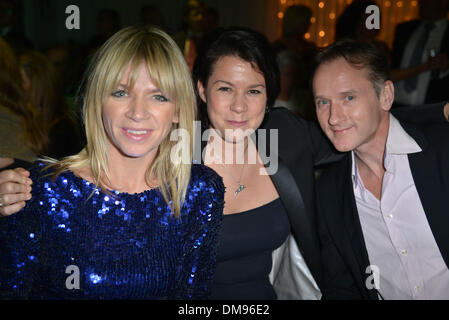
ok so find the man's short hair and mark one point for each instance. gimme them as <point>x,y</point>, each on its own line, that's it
<point>359,55</point>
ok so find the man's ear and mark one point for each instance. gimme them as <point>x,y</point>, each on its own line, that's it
<point>201,91</point>
<point>387,95</point>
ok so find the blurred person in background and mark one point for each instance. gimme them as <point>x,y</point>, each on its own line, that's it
<point>43,91</point>
<point>352,24</point>
<point>108,22</point>
<point>21,132</point>
<point>188,39</point>
<point>420,56</point>
<point>295,24</point>
<point>10,26</point>
<point>291,95</point>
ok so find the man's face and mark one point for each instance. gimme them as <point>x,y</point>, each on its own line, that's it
<point>347,107</point>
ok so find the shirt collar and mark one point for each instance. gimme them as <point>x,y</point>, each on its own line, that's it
<point>398,142</point>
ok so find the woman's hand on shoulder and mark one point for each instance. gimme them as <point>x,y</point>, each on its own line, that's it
<point>15,190</point>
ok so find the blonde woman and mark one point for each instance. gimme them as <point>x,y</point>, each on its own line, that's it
<point>120,220</point>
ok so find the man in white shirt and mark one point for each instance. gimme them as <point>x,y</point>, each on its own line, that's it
<point>382,209</point>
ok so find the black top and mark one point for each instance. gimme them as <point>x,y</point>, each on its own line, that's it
<point>244,256</point>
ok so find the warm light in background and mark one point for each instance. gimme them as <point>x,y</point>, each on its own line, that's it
<point>326,13</point>
<point>280,15</point>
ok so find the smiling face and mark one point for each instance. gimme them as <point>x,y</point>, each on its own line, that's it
<point>347,107</point>
<point>137,119</point>
<point>235,95</point>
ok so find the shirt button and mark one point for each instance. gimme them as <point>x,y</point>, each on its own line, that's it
<point>390,216</point>
<point>417,289</point>
<point>404,252</point>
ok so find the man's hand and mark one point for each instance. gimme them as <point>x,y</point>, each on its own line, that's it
<point>15,189</point>
<point>439,62</point>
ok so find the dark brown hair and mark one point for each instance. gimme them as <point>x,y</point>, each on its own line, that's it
<point>360,55</point>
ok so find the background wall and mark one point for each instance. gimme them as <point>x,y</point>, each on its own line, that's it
<point>44,20</point>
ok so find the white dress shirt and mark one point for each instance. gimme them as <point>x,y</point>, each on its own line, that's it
<point>397,235</point>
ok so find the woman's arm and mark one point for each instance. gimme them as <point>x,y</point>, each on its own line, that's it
<point>424,114</point>
<point>201,240</point>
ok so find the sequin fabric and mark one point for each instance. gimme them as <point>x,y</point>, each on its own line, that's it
<point>65,245</point>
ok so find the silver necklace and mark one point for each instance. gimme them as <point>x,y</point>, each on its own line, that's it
<point>241,187</point>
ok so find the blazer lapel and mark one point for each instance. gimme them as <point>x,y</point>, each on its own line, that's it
<point>429,176</point>
<point>303,230</point>
<point>350,231</point>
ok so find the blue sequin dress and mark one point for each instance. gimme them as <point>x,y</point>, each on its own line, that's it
<point>122,246</point>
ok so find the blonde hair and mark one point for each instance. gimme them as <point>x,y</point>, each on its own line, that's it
<point>169,72</point>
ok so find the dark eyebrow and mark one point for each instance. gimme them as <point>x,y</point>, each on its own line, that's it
<point>230,84</point>
<point>227,82</point>
<point>257,85</point>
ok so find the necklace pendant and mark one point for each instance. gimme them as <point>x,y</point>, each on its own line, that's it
<point>239,189</point>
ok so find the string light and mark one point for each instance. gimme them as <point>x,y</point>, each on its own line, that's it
<point>325,13</point>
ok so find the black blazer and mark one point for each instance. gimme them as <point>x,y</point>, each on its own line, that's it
<point>344,253</point>
<point>437,89</point>
<point>301,146</point>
